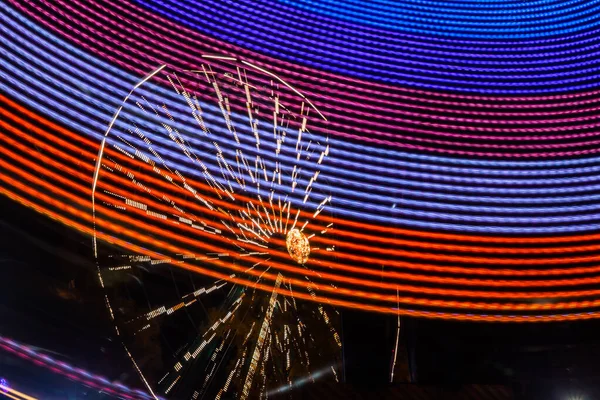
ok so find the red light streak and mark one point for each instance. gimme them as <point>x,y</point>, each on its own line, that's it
<point>83,188</point>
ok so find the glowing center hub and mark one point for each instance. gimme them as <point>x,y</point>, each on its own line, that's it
<point>298,246</point>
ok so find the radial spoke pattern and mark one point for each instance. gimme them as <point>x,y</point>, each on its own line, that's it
<point>211,177</point>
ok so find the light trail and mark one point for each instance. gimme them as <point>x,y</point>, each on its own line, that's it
<point>515,238</point>
<point>564,253</point>
<point>524,295</point>
<point>335,302</point>
<point>85,377</point>
<point>542,272</point>
<point>14,394</point>
<point>395,355</point>
<point>302,381</point>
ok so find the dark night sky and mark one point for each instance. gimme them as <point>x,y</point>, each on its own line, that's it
<point>39,259</point>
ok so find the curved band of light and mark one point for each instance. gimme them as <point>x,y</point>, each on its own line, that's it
<point>566,172</point>
<point>392,123</point>
<point>300,45</point>
<point>393,297</point>
<point>434,21</point>
<point>78,374</point>
<point>431,189</point>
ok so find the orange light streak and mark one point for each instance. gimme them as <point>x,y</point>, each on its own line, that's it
<point>364,226</point>
<point>368,260</point>
<point>304,296</point>
<point>333,265</point>
<point>336,266</point>
<point>301,283</point>
<point>341,255</point>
